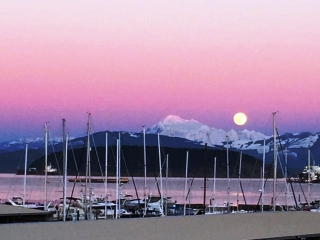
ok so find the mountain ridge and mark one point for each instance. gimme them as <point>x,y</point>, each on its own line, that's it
<point>178,132</point>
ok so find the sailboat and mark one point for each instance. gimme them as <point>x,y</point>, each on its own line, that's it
<point>213,208</point>
<point>239,187</point>
<point>310,173</point>
<point>275,158</point>
<point>21,201</point>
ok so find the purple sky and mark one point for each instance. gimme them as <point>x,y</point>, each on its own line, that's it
<point>132,63</point>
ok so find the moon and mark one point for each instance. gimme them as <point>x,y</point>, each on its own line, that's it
<point>240,118</point>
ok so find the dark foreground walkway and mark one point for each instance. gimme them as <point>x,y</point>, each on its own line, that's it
<point>269,225</point>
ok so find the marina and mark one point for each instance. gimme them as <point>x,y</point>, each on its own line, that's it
<point>174,188</point>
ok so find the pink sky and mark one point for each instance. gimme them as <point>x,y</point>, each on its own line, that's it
<point>131,63</point>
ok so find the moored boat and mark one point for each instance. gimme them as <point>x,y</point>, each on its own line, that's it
<point>99,180</point>
<point>34,171</point>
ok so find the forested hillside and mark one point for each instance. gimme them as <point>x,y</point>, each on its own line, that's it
<point>132,162</point>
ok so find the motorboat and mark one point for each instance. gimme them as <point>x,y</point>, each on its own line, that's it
<point>216,209</point>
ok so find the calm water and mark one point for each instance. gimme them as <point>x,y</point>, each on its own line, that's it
<point>12,185</point>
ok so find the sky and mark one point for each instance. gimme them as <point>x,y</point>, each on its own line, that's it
<point>132,63</point>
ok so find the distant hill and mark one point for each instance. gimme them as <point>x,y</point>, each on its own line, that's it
<point>132,162</point>
<point>12,155</point>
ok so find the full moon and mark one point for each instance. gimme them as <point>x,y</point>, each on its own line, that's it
<point>240,118</point>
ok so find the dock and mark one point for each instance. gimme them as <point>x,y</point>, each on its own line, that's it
<point>268,225</point>
<point>13,214</point>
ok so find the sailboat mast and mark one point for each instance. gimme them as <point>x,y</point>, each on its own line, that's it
<point>106,178</point>
<point>214,179</point>
<point>286,178</point>
<point>228,179</point>
<point>64,163</point>
<point>160,176</point>
<point>185,185</point>
<point>167,173</point>
<point>145,171</point>
<point>88,170</point>
<point>262,180</point>
<point>45,164</point>
<point>119,169</point>
<point>117,181</point>
<point>65,167</point>
<point>239,176</point>
<point>25,176</point>
<point>309,177</point>
<point>274,161</point>
<point>205,178</point>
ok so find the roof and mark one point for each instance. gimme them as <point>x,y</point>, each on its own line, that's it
<point>275,225</point>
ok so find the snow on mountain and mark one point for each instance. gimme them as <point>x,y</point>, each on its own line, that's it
<point>298,141</point>
<point>33,143</point>
<point>193,131</point>
<point>179,132</point>
<point>174,126</point>
<point>251,135</point>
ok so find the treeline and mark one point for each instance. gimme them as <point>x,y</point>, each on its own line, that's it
<point>201,162</point>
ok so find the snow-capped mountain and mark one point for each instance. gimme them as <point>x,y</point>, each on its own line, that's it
<point>192,130</point>
<point>174,126</point>
<point>181,133</point>
<point>250,142</point>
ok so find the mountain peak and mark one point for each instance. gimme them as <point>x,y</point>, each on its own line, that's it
<point>175,126</point>
<point>175,119</point>
<point>172,118</point>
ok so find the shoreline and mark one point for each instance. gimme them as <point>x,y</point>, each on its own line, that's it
<point>12,185</point>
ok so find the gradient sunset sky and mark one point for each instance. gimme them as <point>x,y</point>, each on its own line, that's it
<point>132,63</point>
